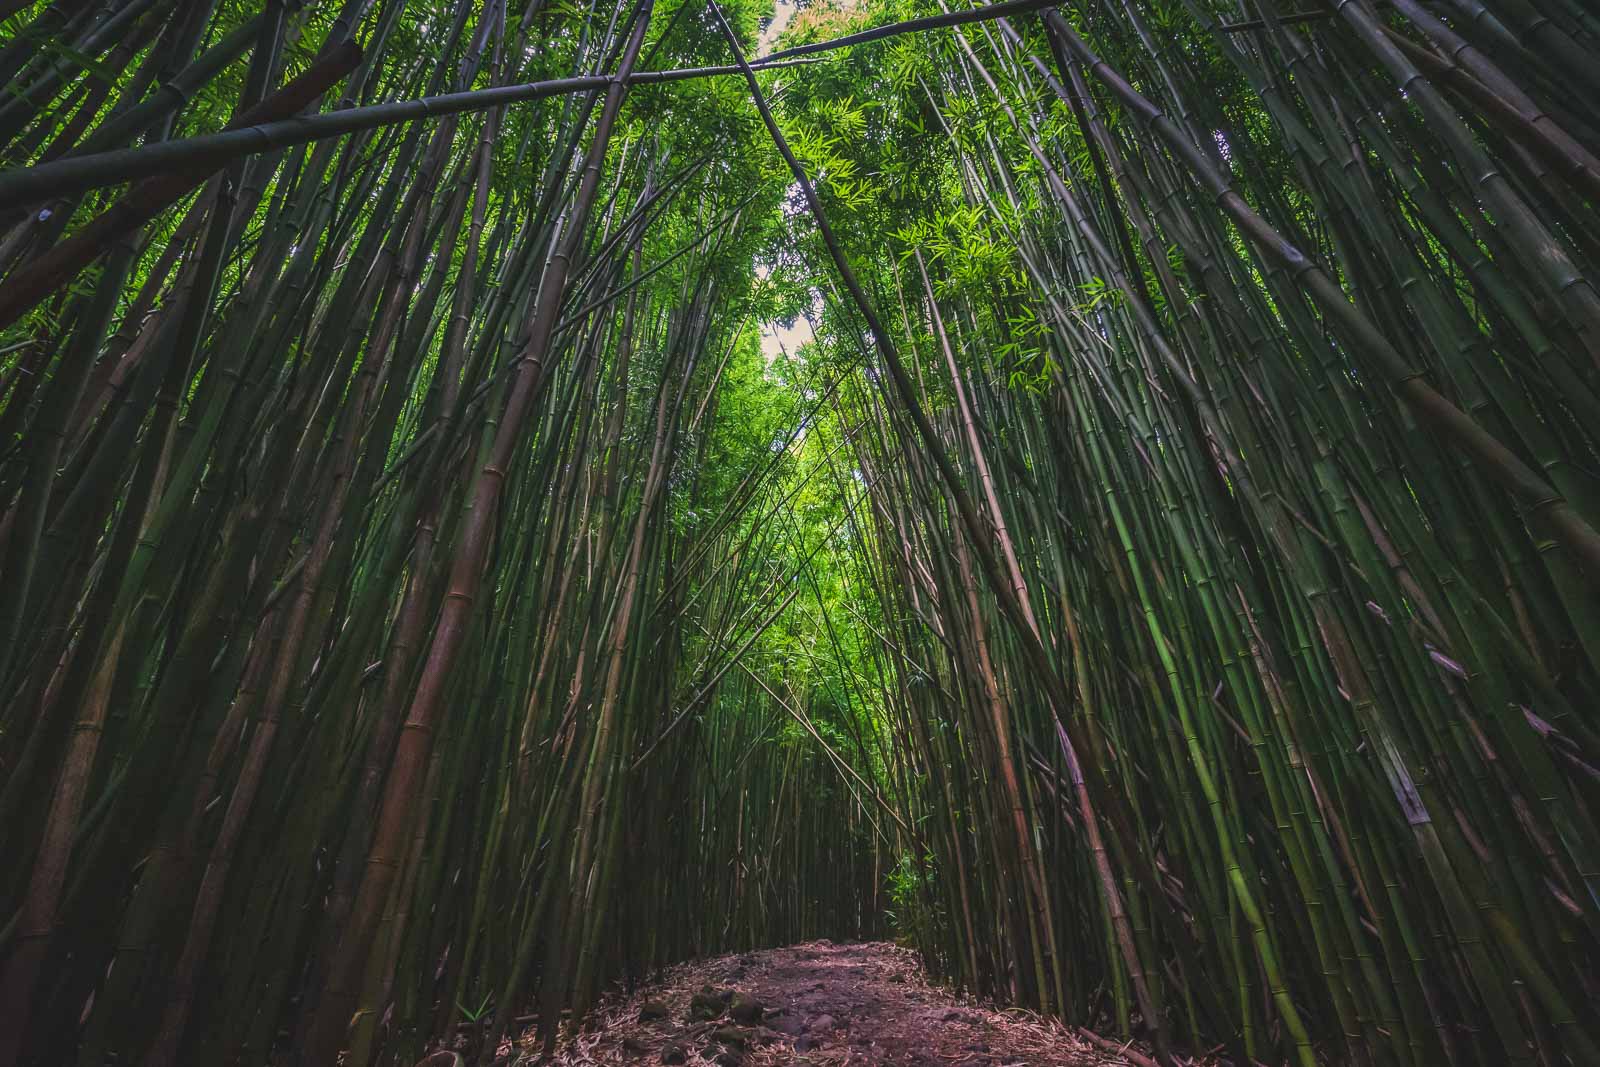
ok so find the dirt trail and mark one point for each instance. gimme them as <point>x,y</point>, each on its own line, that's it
<point>820,1004</point>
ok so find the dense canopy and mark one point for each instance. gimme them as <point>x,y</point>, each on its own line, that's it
<point>497,498</point>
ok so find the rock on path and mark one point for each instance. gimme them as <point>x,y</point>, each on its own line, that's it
<point>819,1004</point>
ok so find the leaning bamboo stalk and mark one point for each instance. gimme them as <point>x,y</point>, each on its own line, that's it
<point>25,289</point>
<point>108,168</point>
<point>1535,494</point>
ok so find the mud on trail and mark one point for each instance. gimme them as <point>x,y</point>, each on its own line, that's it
<point>821,1004</point>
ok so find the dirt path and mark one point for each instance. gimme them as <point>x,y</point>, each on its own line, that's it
<point>820,1004</point>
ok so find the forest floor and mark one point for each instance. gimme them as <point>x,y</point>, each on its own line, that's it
<point>821,1004</point>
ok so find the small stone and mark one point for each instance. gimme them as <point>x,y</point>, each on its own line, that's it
<point>731,1036</point>
<point>652,1010</point>
<point>705,1005</point>
<point>745,1008</point>
<point>821,1022</point>
<point>785,1023</point>
<point>674,1054</point>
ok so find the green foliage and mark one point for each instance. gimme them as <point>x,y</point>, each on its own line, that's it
<point>912,891</point>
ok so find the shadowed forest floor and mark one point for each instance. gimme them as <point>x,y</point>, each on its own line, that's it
<point>822,1004</point>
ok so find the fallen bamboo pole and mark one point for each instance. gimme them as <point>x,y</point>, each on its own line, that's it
<point>76,174</point>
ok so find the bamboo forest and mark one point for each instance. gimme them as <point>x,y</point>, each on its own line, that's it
<point>1005,534</point>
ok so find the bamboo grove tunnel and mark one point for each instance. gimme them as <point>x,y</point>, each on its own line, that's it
<point>498,498</point>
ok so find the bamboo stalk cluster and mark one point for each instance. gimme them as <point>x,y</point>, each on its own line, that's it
<point>1166,593</point>
<point>1235,513</point>
<point>385,612</point>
